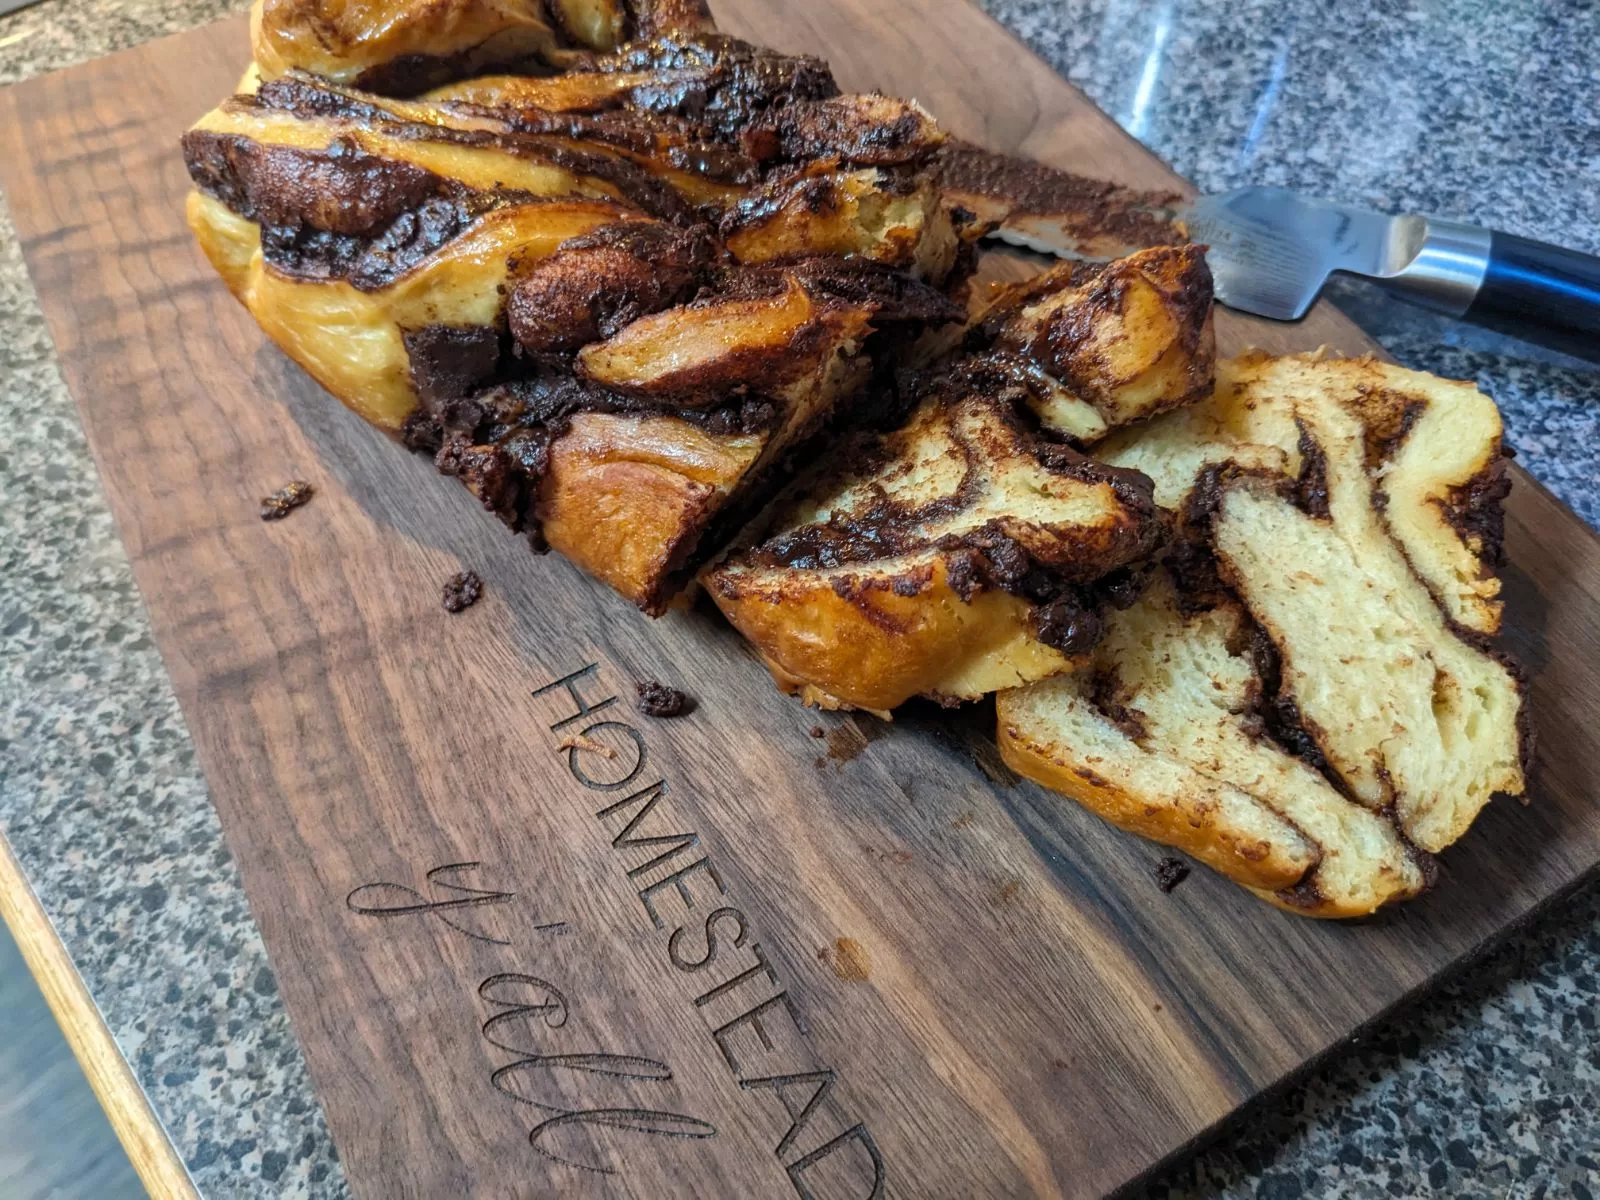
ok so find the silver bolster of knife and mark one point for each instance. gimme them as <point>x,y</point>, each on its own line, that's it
<point>1447,269</point>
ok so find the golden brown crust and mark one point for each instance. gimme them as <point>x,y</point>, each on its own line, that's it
<point>352,341</point>
<point>872,640</point>
<point>1262,864</point>
<point>1067,212</point>
<point>626,496</point>
<point>697,354</point>
<point>597,24</point>
<point>400,46</point>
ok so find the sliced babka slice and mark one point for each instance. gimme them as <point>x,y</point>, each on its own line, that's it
<point>957,554</point>
<point>1107,343</point>
<point>1427,449</point>
<point>1333,590</point>
<point>971,549</point>
<point>1166,734</point>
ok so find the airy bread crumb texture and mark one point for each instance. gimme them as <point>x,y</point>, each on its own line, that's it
<point>1331,709</point>
<point>1160,736</point>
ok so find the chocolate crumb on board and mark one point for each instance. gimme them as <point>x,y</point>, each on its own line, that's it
<point>659,700</point>
<point>576,741</point>
<point>818,732</point>
<point>461,590</point>
<point>286,499</point>
<point>1170,872</point>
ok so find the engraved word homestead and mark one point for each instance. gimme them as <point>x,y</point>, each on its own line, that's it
<point>746,1007</point>
<point>743,1001</point>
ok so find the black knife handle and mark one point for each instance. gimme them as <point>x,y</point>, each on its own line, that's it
<point>1541,293</point>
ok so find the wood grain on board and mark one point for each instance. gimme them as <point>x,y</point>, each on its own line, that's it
<point>734,959</point>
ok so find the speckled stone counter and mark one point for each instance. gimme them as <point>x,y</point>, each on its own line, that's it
<point>1486,112</point>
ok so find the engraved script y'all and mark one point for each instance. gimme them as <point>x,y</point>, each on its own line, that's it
<point>528,1014</point>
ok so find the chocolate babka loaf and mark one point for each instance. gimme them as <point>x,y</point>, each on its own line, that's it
<point>614,328</point>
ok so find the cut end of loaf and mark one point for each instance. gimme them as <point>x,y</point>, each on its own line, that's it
<point>1164,734</point>
<point>1315,651</point>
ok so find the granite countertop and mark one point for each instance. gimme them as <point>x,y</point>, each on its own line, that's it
<point>1478,111</point>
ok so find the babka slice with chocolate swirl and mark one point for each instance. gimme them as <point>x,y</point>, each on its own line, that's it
<point>667,436</point>
<point>1319,661</point>
<point>1164,734</point>
<point>971,549</point>
<point>957,554</point>
<point>1106,344</point>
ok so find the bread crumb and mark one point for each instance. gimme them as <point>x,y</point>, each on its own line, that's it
<point>286,499</point>
<point>659,700</point>
<point>848,960</point>
<point>461,590</point>
<point>895,856</point>
<point>576,741</point>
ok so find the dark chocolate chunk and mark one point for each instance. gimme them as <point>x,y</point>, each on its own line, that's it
<point>1311,488</point>
<point>1476,509</point>
<point>659,700</point>
<point>286,499</point>
<point>449,361</point>
<point>1070,626</point>
<point>1170,872</point>
<point>461,590</point>
<point>1106,694</point>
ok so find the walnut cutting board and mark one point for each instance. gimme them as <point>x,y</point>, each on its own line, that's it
<point>734,959</point>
